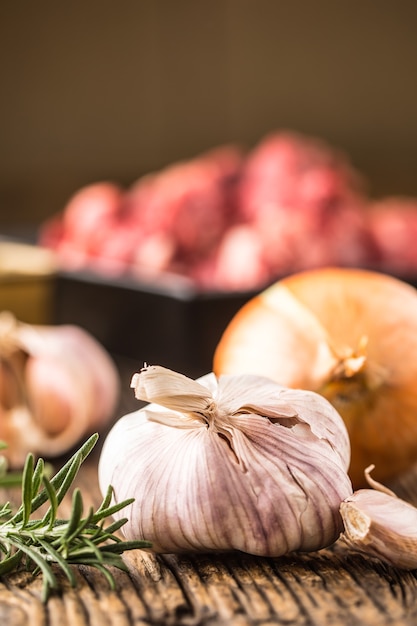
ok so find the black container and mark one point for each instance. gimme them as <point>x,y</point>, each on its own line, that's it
<point>163,322</point>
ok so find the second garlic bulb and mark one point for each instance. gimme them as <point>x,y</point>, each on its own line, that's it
<point>57,385</point>
<point>235,463</point>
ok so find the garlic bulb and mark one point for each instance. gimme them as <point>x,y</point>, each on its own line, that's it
<point>350,335</point>
<point>379,524</point>
<point>57,384</point>
<point>235,463</point>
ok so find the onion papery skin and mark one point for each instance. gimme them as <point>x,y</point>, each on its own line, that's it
<point>244,482</point>
<point>299,331</point>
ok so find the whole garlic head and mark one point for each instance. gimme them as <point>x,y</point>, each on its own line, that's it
<point>235,463</point>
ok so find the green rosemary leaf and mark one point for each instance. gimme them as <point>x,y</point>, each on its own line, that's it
<point>9,479</point>
<point>38,475</point>
<point>112,528</point>
<point>5,511</point>
<point>55,556</point>
<point>10,562</point>
<point>107,574</point>
<point>123,546</point>
<point>27,492</point>
<point>76,515</point>
<point>80,456</point>
<point>72,465</point>
<point>69,478</point>
<point>50,515</point>
<point>85,553</point>
<point>111,510</point>
<point>112,560</point>
<point>84,528</point>
<point>106,500</point>
<point>50,581</point>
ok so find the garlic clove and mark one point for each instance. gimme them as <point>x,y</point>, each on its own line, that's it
<point>54,396</point>
<point>19,432</point>
<point>64,384</point>
<point>9,387</point>
<point>207,478</point>
<point>83,353</point>
<point>49,393</point>
<point>380,525</point>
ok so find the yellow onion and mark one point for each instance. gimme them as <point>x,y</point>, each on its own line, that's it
<point>350,335</point>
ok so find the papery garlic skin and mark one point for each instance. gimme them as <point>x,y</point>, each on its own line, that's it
<point>381,525</point>
<point>57,385</point>
<point>245,465</point>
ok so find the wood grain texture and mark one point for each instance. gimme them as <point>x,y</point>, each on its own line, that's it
<point>333,586</point>
<point>330,587</point>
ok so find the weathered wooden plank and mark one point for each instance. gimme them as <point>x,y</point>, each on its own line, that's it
<point>330,587</point>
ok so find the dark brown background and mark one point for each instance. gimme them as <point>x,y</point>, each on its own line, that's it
<point>110,90</point>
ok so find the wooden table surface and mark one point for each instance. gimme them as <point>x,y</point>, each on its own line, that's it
<point>330,587</point>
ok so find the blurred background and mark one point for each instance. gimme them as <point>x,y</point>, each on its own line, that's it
<point>102,90</point>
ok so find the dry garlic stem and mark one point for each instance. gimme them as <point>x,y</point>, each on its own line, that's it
<point>235,463</point>
<point>379,524</point>
<point>57,384</point>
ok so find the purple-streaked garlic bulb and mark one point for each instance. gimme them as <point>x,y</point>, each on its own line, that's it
<point>57,385</point>
<point>228,463</point>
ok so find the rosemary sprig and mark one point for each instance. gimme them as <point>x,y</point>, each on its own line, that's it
<point>41,543</point>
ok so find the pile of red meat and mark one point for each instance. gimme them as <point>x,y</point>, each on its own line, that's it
<point>230,220</point>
